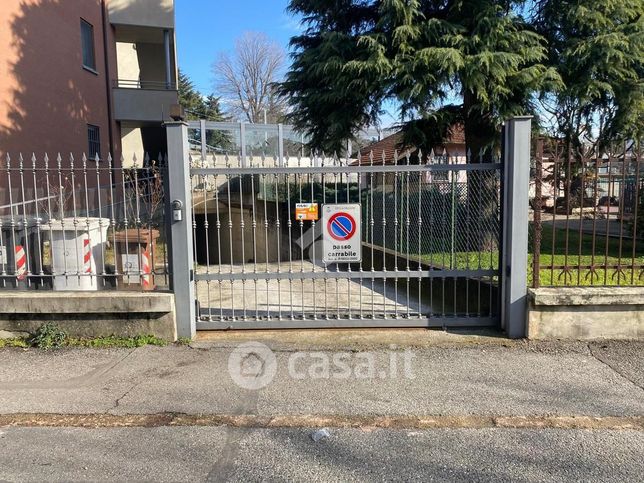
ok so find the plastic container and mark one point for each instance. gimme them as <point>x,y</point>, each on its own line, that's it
<point>77,252</point>
<point>18,243</point>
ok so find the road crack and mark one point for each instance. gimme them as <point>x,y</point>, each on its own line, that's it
<point>612,367</point>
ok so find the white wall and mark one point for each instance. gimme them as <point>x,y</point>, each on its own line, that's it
<point>127,61</point>
<point>131,144</point>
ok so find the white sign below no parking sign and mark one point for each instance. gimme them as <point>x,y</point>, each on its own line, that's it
<point>342,234</point>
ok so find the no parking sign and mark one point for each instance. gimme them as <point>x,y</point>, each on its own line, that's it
<point>342,235</point>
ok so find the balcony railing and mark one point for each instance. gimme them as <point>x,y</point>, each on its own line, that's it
<point>145,84</point>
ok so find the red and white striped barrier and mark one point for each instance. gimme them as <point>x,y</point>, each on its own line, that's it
<point>21,263</point>
<point>146,270</point>
<point>87,256</point>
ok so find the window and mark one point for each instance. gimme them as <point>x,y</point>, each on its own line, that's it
<point>87,44</point>
<point>94,141</point>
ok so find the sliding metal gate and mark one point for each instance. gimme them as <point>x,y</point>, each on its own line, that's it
<point>431,230</point>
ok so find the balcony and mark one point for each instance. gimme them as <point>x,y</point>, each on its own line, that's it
<point>143,100</point>
<point>142,13</point>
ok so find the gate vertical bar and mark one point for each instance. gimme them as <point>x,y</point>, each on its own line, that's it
<point>203,137</point>
<point>242,144</point>
<point>514,282</point>
<point>181,249</point>
<point>280,144</point>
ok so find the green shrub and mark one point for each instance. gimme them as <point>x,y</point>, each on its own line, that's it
<point>49,336</point>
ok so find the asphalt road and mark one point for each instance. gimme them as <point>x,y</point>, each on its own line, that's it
<point>520,380</point>
<point>470,377</point>
<point>226,454</point>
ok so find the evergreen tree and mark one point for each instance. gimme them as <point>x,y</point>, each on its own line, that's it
<point>189,98</point>
<point>198,107</point>
<point>597,46</point>
<point>355,54</point>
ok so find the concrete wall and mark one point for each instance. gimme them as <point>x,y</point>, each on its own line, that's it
<point>151,62</point>
<point>143,105</point>
<point>145,13</point>
<point>87,314</point>
<point>127,61</point>
<point>46,97</point>
<point>132,141</point>
<point>240,252</point>
<point>586,313</point>
<point>143,61</point>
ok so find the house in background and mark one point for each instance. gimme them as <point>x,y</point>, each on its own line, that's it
<point>391,150</point>
<point>86,76</point>
<point>609,180</point>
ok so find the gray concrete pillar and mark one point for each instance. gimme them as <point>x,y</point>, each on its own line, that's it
<point>514,283</point>
<point>179,196</point>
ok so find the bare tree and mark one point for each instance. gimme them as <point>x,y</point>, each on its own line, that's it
<point>246,78</point>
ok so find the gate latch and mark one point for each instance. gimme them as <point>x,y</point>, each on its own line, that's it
<point>177,213</point>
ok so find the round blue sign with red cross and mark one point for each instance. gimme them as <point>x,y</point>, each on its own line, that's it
<point>341,226</point>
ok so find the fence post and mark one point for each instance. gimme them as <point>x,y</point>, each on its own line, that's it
<point>181,247</point>
<point>514,280</point>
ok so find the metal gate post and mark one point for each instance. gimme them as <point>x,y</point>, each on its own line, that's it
<point>180,219</point>
<point>514,283</point>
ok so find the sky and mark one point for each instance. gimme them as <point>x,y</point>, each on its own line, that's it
<point>205,28</point>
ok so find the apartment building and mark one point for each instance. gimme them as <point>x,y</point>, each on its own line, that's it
<point>86,76</point>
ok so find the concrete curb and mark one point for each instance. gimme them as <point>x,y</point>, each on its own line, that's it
<point>318,421</point>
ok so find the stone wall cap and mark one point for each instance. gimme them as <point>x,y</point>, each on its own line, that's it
<point>37,302</point>
<point>587,296</point>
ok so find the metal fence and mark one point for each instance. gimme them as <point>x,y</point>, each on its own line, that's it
<point>588,215</point>
<point>80,224</point>
<point>452,233</point>
<point>430,242</point>
<point>144,84</point>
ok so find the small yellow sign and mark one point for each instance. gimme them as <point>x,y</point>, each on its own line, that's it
<point>306,211</point>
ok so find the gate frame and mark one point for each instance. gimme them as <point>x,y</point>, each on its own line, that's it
<point>513,241</point>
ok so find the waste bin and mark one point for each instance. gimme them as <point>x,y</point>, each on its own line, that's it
<point>135,251</point>
<point>77,252</point>
<point>20,253</point>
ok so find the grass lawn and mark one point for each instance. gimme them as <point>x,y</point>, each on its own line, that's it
<point>573,276</point>
<point>605,253</point>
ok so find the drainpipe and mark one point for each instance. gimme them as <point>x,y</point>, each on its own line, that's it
<point>168,70</point>
<point>108,87</point>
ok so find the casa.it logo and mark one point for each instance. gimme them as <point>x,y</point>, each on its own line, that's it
<point>252,365</point>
